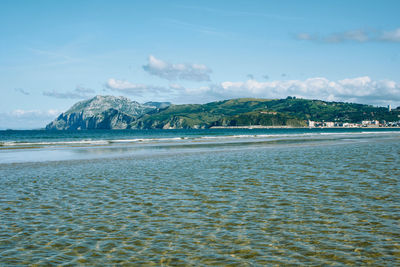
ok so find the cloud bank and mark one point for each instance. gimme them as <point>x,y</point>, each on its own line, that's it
<point>360,36</point>
<point>134,89</point>
<point>360,89</point>
<point>171,72</point>
<point>78,93</point>
<point>21,113</point>
<point>27,119</point>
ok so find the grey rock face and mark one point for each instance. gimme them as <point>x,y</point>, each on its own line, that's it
<point>102,112</point>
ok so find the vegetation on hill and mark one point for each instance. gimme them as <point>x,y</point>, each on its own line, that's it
<point>267,112</point>
<point>317,110</point>
<point>111,112</point>
<point>258,118</point>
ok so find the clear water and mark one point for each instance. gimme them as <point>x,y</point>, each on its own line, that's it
<point>226,197</point>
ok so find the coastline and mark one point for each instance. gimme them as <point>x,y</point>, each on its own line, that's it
<point>294,127</point>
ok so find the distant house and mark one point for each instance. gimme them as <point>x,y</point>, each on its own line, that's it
<point>350,125</point>
<point>373,123</point>
<point>268,112</point>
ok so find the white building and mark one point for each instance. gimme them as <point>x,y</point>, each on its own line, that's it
<point>373,123</point>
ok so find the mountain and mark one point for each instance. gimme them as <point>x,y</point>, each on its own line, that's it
<point>102,112</point>
<point>109,112</point>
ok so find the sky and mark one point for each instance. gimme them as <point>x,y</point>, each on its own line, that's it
<point>55,53</point>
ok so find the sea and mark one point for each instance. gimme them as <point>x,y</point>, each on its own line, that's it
<point>237,197</point>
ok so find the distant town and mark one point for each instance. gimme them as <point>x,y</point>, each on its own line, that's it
<point>364,123</point>
<point>368,124</point>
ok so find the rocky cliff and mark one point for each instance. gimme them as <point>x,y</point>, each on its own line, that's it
<point>103,112</point>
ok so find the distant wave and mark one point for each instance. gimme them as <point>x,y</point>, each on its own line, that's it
<point>22,143</point>
<point>185,139</point>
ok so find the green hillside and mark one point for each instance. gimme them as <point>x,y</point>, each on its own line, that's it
<point>267,112</point>
<point>317,110</point>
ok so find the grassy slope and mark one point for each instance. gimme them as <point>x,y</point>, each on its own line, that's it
<point>318,110</point>
<point>191,115</point>
<point>247,111</point>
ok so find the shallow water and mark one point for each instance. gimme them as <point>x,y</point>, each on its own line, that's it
<point>247,201</point>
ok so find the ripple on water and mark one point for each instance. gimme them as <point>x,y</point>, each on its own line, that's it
<point>313,205</point>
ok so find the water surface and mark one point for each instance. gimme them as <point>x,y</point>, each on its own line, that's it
<point>198,198</point>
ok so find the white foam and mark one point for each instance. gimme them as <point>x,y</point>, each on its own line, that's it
<point>211,138</point>
<point>19,143</point>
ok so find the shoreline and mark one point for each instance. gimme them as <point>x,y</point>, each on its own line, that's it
<point>293,127</point>
<point>212,127</point>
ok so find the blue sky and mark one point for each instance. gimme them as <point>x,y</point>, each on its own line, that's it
<point>55,53</point>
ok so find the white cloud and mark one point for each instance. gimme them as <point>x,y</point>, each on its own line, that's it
<point>27,119</point>
<point>356,36</point>
<point>123,85</point>
<point>135,89</point>
<point>391,36</point>
<point>176,86</point>
<point>359,35</point>
<point>360,89</point>
<point>189,72</point>
<point>305,36</point>
<point>21,113</point>
<point>78,93</point>
<point>84,90</point>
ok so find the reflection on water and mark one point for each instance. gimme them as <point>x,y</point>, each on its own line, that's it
<point>333,203</point>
